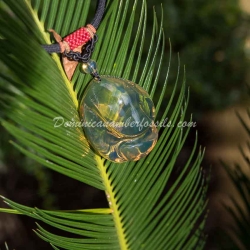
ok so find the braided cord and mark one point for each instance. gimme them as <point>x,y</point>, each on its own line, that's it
<point>99,14</point>
<point>52,48</point>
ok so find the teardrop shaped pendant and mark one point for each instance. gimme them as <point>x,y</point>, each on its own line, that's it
<point>118,117</point>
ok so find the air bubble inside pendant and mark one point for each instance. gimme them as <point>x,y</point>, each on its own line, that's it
<point>118,117</point>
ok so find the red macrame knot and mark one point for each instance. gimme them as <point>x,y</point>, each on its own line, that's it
<point>78,38</point>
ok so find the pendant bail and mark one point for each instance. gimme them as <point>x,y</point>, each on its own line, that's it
<point>90,67</point>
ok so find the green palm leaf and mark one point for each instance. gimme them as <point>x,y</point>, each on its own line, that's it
<point>239,231</point>
<point>142,214</point>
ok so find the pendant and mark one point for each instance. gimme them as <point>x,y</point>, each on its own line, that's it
<point>118,118</point>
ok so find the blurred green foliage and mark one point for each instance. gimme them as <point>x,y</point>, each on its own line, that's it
<point>210,37</point>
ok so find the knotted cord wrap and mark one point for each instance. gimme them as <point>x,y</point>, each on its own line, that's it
<point>79,37</point>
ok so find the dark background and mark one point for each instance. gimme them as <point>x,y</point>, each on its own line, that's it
<point>213,40</point>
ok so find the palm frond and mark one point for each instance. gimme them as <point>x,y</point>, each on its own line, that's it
<point>240,212</point>
<point>142,213</point>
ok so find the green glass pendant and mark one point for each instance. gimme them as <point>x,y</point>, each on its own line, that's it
<point>118,117</point>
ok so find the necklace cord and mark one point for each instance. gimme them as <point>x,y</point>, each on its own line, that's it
<point>85,56</point>
<point>99,14</point>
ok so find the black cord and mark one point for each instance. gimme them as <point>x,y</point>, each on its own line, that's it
<point>99,14</point>
<point>52,48</point>
<point>55,48</point>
